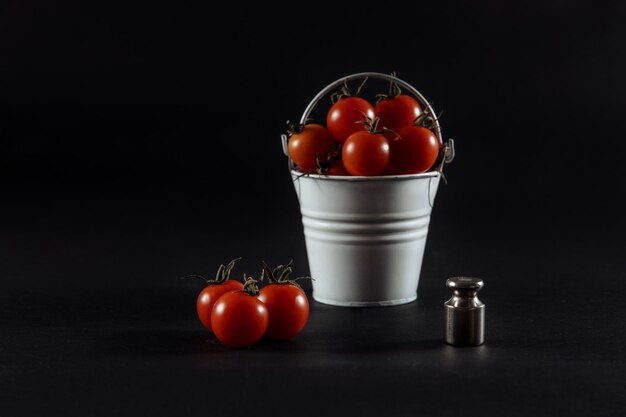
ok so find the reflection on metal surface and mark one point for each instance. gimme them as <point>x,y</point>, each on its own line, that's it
<point>465,313</point>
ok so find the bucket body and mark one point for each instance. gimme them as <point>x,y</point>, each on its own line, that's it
<point>365,236</point>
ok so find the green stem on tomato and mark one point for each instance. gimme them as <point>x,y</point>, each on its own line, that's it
<point>281,274</point>
<point>345,91</point>
<point>221,276</point>
<point>250,286</point>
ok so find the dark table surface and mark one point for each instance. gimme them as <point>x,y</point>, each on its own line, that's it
<point>96,322</point>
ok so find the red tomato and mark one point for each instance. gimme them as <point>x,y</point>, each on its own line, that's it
<point>365,153</point>
<point>313,142</point>
<point>396,112</point>
<point>337,168</point>
<point>391,136</point>
<point>344,117</point>
<point>239,319</point>
<point>208,297</point>
<point>214,289</point>
<point>288,308</point>
<point>414,150</point>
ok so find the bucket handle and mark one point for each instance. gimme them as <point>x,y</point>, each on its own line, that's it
<point>447,151</point>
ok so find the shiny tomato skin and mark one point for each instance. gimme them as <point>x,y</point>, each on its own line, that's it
<point>209,295</point>
<point>288,308</point>
<point>414,150</point>
<point>365,154</point>
<point>344,116</point>
<point>304,148</point>
<point>391,136</point>
<point>397,112</point>
<point>239,319</point>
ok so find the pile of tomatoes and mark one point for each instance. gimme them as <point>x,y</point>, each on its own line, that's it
<point>240,314</point>
<point>394,137</point>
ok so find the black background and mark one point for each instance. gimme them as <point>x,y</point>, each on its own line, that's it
<point>140,142</point>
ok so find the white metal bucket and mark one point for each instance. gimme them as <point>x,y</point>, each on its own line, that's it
<point>365,236</point>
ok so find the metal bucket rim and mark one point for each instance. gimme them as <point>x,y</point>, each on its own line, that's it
<point>350,178</point>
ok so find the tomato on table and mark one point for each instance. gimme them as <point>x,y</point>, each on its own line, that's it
<point>239,319</point>
<point>286,303</point>
<point>215,288</point>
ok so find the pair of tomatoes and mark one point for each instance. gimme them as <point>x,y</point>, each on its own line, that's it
<point>240,314</point>
<point>360,139</point>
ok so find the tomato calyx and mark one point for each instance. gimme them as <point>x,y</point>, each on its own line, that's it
<point>250,286</point>
<point>222,275</point>
<point>427,119</point>
<point>346,92</point>
<point>281,275</point>
<point>324,165</point>
<point>372,125</point>
<point>293,128</point>
<point>394,90</point>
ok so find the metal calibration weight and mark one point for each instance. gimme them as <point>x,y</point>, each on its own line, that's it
<point>465,313</point>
